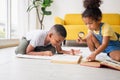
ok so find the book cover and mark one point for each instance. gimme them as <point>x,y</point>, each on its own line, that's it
<point>66,59</point>
<point>95,63</point>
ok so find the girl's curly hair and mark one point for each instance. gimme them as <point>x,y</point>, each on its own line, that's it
<point>92,9</point>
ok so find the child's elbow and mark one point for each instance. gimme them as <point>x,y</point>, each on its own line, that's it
<point>28,51</point>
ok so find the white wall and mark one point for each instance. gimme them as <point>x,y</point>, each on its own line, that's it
<point>62,7</point>
<point>110,6</point>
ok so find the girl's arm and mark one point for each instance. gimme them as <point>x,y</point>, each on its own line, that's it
<point>100,48</point>
<point>80,40</point>
<point>104,44</point>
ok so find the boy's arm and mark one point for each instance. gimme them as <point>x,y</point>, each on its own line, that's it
<point>71,51</point>
<point>30,51</point>
<point>59,50</point>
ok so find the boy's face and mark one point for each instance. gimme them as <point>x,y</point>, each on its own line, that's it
<point>56,39</point>
<point>91,24</point>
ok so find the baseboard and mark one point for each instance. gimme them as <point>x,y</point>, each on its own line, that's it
<point>9,43</point>
<point>74,43</point>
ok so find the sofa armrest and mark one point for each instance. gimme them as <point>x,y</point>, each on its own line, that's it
<point>58,20</point>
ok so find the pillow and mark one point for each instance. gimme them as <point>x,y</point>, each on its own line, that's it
<point>21,49</point>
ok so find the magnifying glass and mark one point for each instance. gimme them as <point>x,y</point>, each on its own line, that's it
<point>81,35</point>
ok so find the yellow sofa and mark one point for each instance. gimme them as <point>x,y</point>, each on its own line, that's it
<point>74,24</point>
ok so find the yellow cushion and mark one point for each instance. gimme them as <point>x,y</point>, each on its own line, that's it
<point>112,19</point>
<point>59,20</point>
<point>73,30</point>
<point>73,19</point>
<point>116,28</point>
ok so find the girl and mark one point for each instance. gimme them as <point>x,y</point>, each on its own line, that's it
<point>101,37</point>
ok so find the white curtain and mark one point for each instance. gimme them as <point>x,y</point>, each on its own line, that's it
<point>26,20</point>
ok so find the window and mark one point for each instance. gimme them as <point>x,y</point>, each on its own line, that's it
<point>8,19</point>
<point>14,19</point>
<point>3,19</point>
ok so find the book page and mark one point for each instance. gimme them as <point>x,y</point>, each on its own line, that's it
<point>111,63</point>
<point>33,56</point>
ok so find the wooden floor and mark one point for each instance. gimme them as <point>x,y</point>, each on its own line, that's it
<point>8,43</point>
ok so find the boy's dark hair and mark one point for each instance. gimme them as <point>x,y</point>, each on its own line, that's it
<point>59,29</point>
<point>92,9</point>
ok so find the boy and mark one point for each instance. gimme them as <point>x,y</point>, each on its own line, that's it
<point>45,43</point>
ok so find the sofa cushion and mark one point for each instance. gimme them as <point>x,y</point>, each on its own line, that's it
<point>112,19</point>
<point>73,19</point>
<point>116,28</point>
<point>73,30</point>
<point>59,20</point>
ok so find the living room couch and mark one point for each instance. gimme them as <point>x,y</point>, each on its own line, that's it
<point>74,24</point>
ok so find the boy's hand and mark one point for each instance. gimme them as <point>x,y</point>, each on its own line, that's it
<point>74,52</point>
<point>47,53</point>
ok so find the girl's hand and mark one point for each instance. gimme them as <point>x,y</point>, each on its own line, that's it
<point>74,52</point>
<point>91,57</point>
<point>80,40</point>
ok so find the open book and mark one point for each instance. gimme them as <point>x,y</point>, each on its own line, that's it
<point>111,63</point>
<point>107,63</point>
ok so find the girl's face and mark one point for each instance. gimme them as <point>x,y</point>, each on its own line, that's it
<point>91,24</point>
